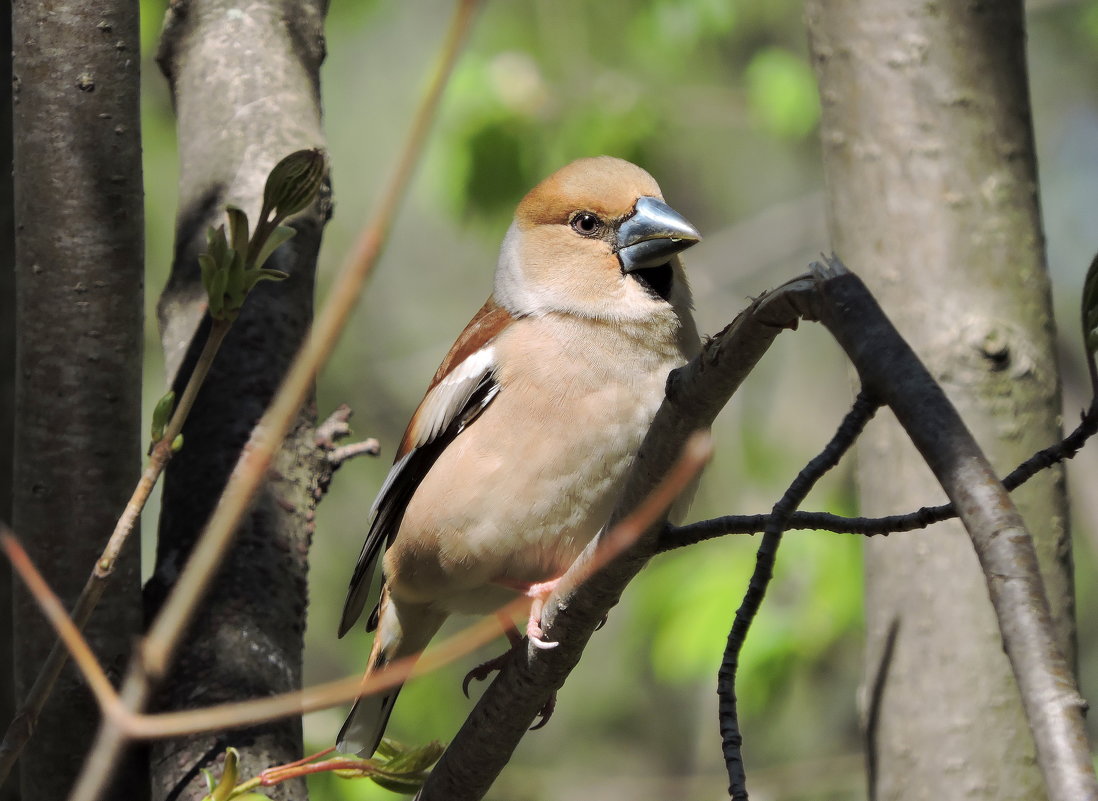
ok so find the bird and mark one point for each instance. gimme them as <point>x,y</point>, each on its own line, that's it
<point>513,460</point>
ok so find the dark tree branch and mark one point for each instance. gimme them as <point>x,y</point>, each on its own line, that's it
<point>673,537</point>
<point>889,369</point>
<point>732,740</point>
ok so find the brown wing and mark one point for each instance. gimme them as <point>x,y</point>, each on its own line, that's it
<point>482,329</point>
<point>461,389</point>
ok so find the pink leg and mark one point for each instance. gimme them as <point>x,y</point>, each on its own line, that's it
<point>539,593</point>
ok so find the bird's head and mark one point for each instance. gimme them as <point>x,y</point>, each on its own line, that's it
<point>595,239</point>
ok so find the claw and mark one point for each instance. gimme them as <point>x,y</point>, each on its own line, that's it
<point>536,637</point>
<point>484,670</point>
<point>541,644</point>
<point>545,712</point>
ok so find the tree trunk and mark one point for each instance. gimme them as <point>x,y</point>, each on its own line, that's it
<point>932,187</point>
<point>7,380</point>
<point>78,310</point>
<point>245,80</point>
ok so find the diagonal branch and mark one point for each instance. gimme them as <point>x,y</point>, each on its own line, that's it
<point>890,370</point>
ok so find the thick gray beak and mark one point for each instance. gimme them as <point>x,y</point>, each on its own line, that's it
<point>654,234</point>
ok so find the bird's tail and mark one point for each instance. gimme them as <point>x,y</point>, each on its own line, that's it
<point>403,630</point>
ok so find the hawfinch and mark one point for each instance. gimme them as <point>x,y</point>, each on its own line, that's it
<point>515,457</point>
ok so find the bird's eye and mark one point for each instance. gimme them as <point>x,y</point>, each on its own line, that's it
<point>586,224</point>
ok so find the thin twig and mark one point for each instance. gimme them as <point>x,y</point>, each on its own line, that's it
<point>156,650</point>
<point>22,725</point>
<point>732,741</point>
<point>679,536</point>
<point>368,447</point>
<point>246,713</point>
<point>54,611</point>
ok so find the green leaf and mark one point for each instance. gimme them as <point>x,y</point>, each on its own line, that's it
<point>238,228</point>
<point>389,748</point>
<point>278,236</point>
<point>208,267</point>
<point>293,183</point>
<point>216,292</point>
<point>234,285</point>
<point>408,786</point>
<point>162,413</point>
<point>253,277</point>
<point>414,760</point>
<point>217,245</point>
<point>228,776</point>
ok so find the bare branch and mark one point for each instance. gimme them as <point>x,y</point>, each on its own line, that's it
<point>849,430</point>
<point>890,370</point>
<point>674,537</point>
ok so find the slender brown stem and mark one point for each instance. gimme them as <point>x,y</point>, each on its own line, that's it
<point>243,713</point>
<point>54,611</point>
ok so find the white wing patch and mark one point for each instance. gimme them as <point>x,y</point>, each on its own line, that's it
<point>450,396</point>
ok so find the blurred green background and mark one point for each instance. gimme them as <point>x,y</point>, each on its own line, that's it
<point>718,101</point>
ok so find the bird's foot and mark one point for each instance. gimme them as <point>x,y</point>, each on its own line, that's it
<point>486,669</point>
<point>539,593</point>
<point>546,711</point>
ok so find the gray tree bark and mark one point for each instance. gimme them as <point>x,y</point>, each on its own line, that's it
<point>78,309</point>
<point>245,80</point>
<point>7,379</point>
<point>932,188</point>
